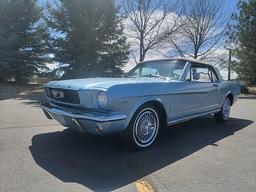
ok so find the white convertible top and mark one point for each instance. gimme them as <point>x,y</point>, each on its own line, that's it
<point>189,59</point>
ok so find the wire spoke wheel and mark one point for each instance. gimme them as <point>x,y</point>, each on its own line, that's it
<point>226,108</point>
<point>223,114</point>
<point>146,127</point>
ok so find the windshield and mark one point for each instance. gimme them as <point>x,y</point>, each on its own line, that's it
<point>158,69</point>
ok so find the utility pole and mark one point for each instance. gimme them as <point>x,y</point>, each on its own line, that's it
<point>229,64</point>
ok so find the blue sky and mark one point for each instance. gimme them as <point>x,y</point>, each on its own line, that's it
<point>230,6</point>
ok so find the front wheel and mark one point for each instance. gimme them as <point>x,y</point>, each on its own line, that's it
<point>143,128</point>
<point>223,114</point>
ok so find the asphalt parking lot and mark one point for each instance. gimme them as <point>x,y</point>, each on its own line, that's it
<point>37,154</point>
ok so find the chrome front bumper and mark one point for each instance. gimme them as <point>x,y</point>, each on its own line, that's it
<point>90,122</point>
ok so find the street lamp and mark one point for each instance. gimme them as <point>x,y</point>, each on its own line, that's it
<point>230,47</point>
<point>229,63</point>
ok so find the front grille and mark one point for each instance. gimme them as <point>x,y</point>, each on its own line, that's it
<point>68,96</point>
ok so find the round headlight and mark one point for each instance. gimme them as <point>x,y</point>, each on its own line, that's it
<point>102,99</point>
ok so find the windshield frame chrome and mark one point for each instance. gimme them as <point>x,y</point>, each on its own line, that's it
<point>185,71</point>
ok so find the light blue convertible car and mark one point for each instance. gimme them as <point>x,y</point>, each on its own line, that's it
<point>153,95</point>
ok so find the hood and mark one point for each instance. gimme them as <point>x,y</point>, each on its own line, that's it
<point>98,83</point>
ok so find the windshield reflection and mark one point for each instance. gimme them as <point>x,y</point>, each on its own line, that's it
<point>158,69</point>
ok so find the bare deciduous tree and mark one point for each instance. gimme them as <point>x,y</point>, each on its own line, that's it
<point>151,22</point>
<point>203,29</point>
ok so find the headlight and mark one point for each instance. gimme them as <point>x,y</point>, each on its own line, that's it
<point>102,99</point>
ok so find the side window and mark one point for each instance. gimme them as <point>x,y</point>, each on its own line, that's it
<point>201,74</point>
<point>198,73</point>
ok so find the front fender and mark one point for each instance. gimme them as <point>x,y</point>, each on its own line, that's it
<point>139,103</point>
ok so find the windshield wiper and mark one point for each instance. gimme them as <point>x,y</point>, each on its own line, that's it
<point>151,75</point>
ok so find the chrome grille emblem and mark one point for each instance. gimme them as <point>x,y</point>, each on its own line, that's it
<point>58,94</point>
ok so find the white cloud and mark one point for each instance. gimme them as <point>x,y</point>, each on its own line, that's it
<point>218,58</point>
<point>157,52</point>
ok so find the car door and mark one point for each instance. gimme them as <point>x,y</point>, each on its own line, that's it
<point>203,87</point>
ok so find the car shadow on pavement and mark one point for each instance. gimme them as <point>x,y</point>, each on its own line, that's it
<point>102,163</point>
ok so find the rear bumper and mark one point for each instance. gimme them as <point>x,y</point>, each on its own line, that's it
<point>90,122</point>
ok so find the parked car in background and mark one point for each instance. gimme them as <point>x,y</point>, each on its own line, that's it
<point>243,86</point>
<point>153,95</point>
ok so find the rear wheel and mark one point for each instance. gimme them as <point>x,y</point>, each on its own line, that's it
<point>143,128</point>
<point>223,114</point>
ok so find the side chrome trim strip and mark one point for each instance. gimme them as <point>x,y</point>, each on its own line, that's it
<point>192,117</point>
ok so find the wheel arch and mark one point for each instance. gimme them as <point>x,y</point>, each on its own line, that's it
<point>155,102</point>
<point>230,96</point>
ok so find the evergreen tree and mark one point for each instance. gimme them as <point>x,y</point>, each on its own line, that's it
<point>22,34</point>
<point>242,35</point>
<point>87,37</point>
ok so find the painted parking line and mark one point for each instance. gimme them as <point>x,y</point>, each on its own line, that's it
<point>144,186</point>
